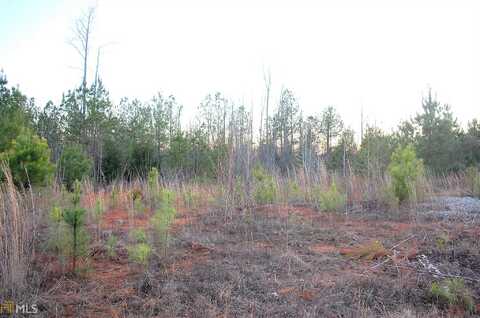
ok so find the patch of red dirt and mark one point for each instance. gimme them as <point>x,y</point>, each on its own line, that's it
<point>199,248</point>
<point>382,228</point>
<point>402,227</point>
<point>187,263</point>
<point>377,229</point>
<point>263,245</point>
<point>284,211</point>
<point>407,253</point>
<point>286,290</point>
<point>186,217</point>
<point>181,221</point>
<point>51,266</point>
<point>119,219</point>
<point>110,274</point>
<point>323,248</point>
<point>197,254</point>
<point>305,294</point>
<point>88,200</point>
<point>106,280</point>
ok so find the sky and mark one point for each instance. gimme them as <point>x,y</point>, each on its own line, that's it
<point>379,56</point>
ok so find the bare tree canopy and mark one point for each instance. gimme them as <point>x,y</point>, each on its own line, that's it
<point>81,42</point>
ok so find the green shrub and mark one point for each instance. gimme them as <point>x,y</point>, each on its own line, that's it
<point>163,219</point>
<point>136,194</point>
<point>331,200</point>
<point>452,292</point>
<point>73,164</point>
<point>191,198</point>
<point>265,187</point>
<point>55,240</point>
<point>472,179</point>
<point>139,236</point>
<point>167,197</point>
<point>239,192</point>
<point>98,209</point>
<point>112,246</point>
<point>153,186</point>
<point>188,198</point>
<point>404,169</point>
<point>56,214</point>
<point>74,218</point>
<point>442,241</point>
<point>153,179</point>
<point>77,193</point>
<point>139,253</point>
<point>138,205</point>
<point>294,192</point>
<point>28,157</point>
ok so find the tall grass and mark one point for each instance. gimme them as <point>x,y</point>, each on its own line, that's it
<point>16,239</point>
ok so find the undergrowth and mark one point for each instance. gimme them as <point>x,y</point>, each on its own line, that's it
<point>265,186</point>
<point>452,292</point>
<point>330,200</point>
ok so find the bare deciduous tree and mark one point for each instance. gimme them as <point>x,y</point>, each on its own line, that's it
<point>81,42</point>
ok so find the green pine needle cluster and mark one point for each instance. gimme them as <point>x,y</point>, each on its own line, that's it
<point>265,187</point>
<point>68,235</point>
<point>111,245</point>
<point>404,169</point>
<point>74,217</point>
<point>294,192</point>
<point>140,251</point>
<point>452,292</point>
<point>330,200</point>
<point>153,187</point>
<point>164,217</point>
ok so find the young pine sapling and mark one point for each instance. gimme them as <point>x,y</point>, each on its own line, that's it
<point>74,217</point>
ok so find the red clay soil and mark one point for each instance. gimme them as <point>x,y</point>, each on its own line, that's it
<point>182,220</point>
<point>263,245</point>
<point>337,218</point>
<point>119,219</point>
<point>323,248</point>
<point>305,294</point>
<point>187,263</point>
<point>109,274</point>
<point>88,200</point>
<point>108,278</point>
<point>197,254</point>
<point>284,211</point>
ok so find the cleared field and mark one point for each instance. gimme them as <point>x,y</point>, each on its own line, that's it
<point>270,261</point>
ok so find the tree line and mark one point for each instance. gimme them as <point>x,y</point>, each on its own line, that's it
<point>86,134</point>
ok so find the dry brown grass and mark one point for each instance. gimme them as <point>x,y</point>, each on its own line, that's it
<point>369,251</point>
<point>15,236</point>
<point>231,258</point>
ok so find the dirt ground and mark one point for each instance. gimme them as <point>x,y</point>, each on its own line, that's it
<point>270,261</point>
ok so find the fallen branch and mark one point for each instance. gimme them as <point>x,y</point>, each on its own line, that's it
<point>401,242</point>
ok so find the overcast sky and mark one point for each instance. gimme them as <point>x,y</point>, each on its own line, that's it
<point>381,54</point>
